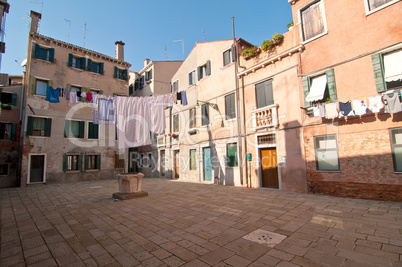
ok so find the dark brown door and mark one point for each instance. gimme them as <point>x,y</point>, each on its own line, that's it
<point>269,167</point>
<point>37,169</point>
<point>176,164</point>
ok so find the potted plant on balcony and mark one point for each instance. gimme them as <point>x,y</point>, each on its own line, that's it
<point>266,45</point>
<point>277,38</point>
<point>250,52</point>
<point>290,26</point>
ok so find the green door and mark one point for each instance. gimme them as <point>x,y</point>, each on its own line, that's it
<point>207,164</point>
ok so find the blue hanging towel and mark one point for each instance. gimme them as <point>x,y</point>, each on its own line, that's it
<point>184,98</point>
<point>52,95</point>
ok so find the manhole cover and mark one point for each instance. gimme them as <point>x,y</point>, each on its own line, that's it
<point>263,237</point>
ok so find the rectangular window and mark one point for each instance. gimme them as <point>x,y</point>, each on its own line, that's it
<point>268,139</point>
<point>205,114</point>
<point>148,75</point>
<point>44,53</point>
<point>326,153</point>
<point>374,4</point>
<point>93,131</point>
<point>41,87</point>
<point>176,123</point>
<point>76,62</point>
<point>193,162</point>
<point>96,67</point>
<point>204,70</point>
<point>175,87</point>
<point>320,88</point>
<point>74,128</point>
<point>78,90</point>
<point>72,162</point>
<point>92,162</point>
<point>192,118</point>
<point>264,94</point>
<point>396,146</point>
<point>231,154</point>
<point>120,73</point>
<point>8,131</point>
<point>150,160</point>
<point>227,57</point>
<point>313,22</point>
<point>142,161</point>
<point>191,78</point>
<point>39,126</point>
<point>230,106</point>
<point>4,169</point>
<point>8,98</point>
<point>393,70</point>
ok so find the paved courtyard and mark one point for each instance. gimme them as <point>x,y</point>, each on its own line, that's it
<point>185,224</point>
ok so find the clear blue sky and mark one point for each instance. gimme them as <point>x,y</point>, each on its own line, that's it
<point>147,26</point>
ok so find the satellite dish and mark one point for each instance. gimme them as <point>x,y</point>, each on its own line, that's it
<point>24,63</point>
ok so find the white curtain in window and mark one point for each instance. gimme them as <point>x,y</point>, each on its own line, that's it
<point>317,89</point>
<point>373,4</point>
<point>393,66</point>
<point>313,21</point>
<point>41,87</point>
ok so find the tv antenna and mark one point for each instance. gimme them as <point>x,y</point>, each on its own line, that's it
<point>166,55</point>
<point>85,32</point>
<point>41,9</point>
<point>69,27</point>
<point>203,35</point>
<point>182,46</point>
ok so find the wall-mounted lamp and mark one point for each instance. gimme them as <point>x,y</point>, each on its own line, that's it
<point>214,106</point>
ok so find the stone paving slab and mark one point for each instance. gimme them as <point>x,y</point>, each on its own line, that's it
<point>187,224</point>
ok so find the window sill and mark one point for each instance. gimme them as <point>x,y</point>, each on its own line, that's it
<point>368,13</point>
<point>328,171</point>
<point>315,38</point>
<point>44,60</point>
<point>74,68</point>
<point>74,171</point>
<point>230,120</point>
<point>41,96</point>
<point>94,170</point>
<point>227,66</point>
<point>204,78</point>
<point>36,136</point>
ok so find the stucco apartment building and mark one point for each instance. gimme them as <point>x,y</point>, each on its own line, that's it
<point>10,127</point>
<point>200,143</point>
<point>60,141</point>
<point>353,52</point>
<point>153,80</point>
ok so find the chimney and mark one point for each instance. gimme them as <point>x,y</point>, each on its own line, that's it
<point>146,62</point>
<point>35,17</point>
<point>120,50</point>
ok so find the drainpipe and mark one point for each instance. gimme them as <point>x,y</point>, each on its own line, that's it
<point>236,61</point>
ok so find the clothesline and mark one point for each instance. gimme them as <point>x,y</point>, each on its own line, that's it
<point>390,101</point>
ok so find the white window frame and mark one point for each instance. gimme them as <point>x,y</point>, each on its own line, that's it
<point>301,22</point>
<point>369,12</point>
<point>194,77</point>
<point>326,138</point>
<point>36,83</point>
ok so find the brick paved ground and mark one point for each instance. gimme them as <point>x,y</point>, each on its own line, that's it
<point>184,224</point>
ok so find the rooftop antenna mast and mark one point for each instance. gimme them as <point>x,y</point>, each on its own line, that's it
<point>41,9</point>
<point>85,32</point>
<point>69,27</point>
<point>182,46</point>
<point>166,55</point>
<point>203,35</point>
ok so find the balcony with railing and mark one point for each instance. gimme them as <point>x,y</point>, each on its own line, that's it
<point>265,117</point>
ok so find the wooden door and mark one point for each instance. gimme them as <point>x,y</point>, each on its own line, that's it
<point>37,169</point>
<point>269,168</point>
<point>176,164</point>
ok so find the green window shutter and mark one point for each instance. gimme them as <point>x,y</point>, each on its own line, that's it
<point>131,89</point>
<point>331,84</point>
<point>95,131</point>
<point>14,99</point>
<point>125,76</point>
<point>199,72</point>
<point>100,68</point>
<point>306,90</point>
<point>260,93</point>
<point>51,54</point>
<point>29,125</point>
<point>65,163</point>
<point>36,52</point>
<point>89,67</point>
<point>146,76</point>
<point>90,130</point>
<point>70,60</point>
<point>190,80</point>
<point>150,74</point>
<point>48,127</point>
<point>86,159</point>
<point>69,87</point>
<point>378,67</point>
<point>67,130</point>
<point>232,155</point>
<point>33,85</point>
<point>205,114</point>
<point>82,128</point>
<point>115,72</point>
<point>98,162</point>
<point>208,69</point>
<point>101,92</point>
<point>50,83</point>
<point>13,133</point>
<point>150,160</point>
<point>83,62</point>
<point>79,162</point>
